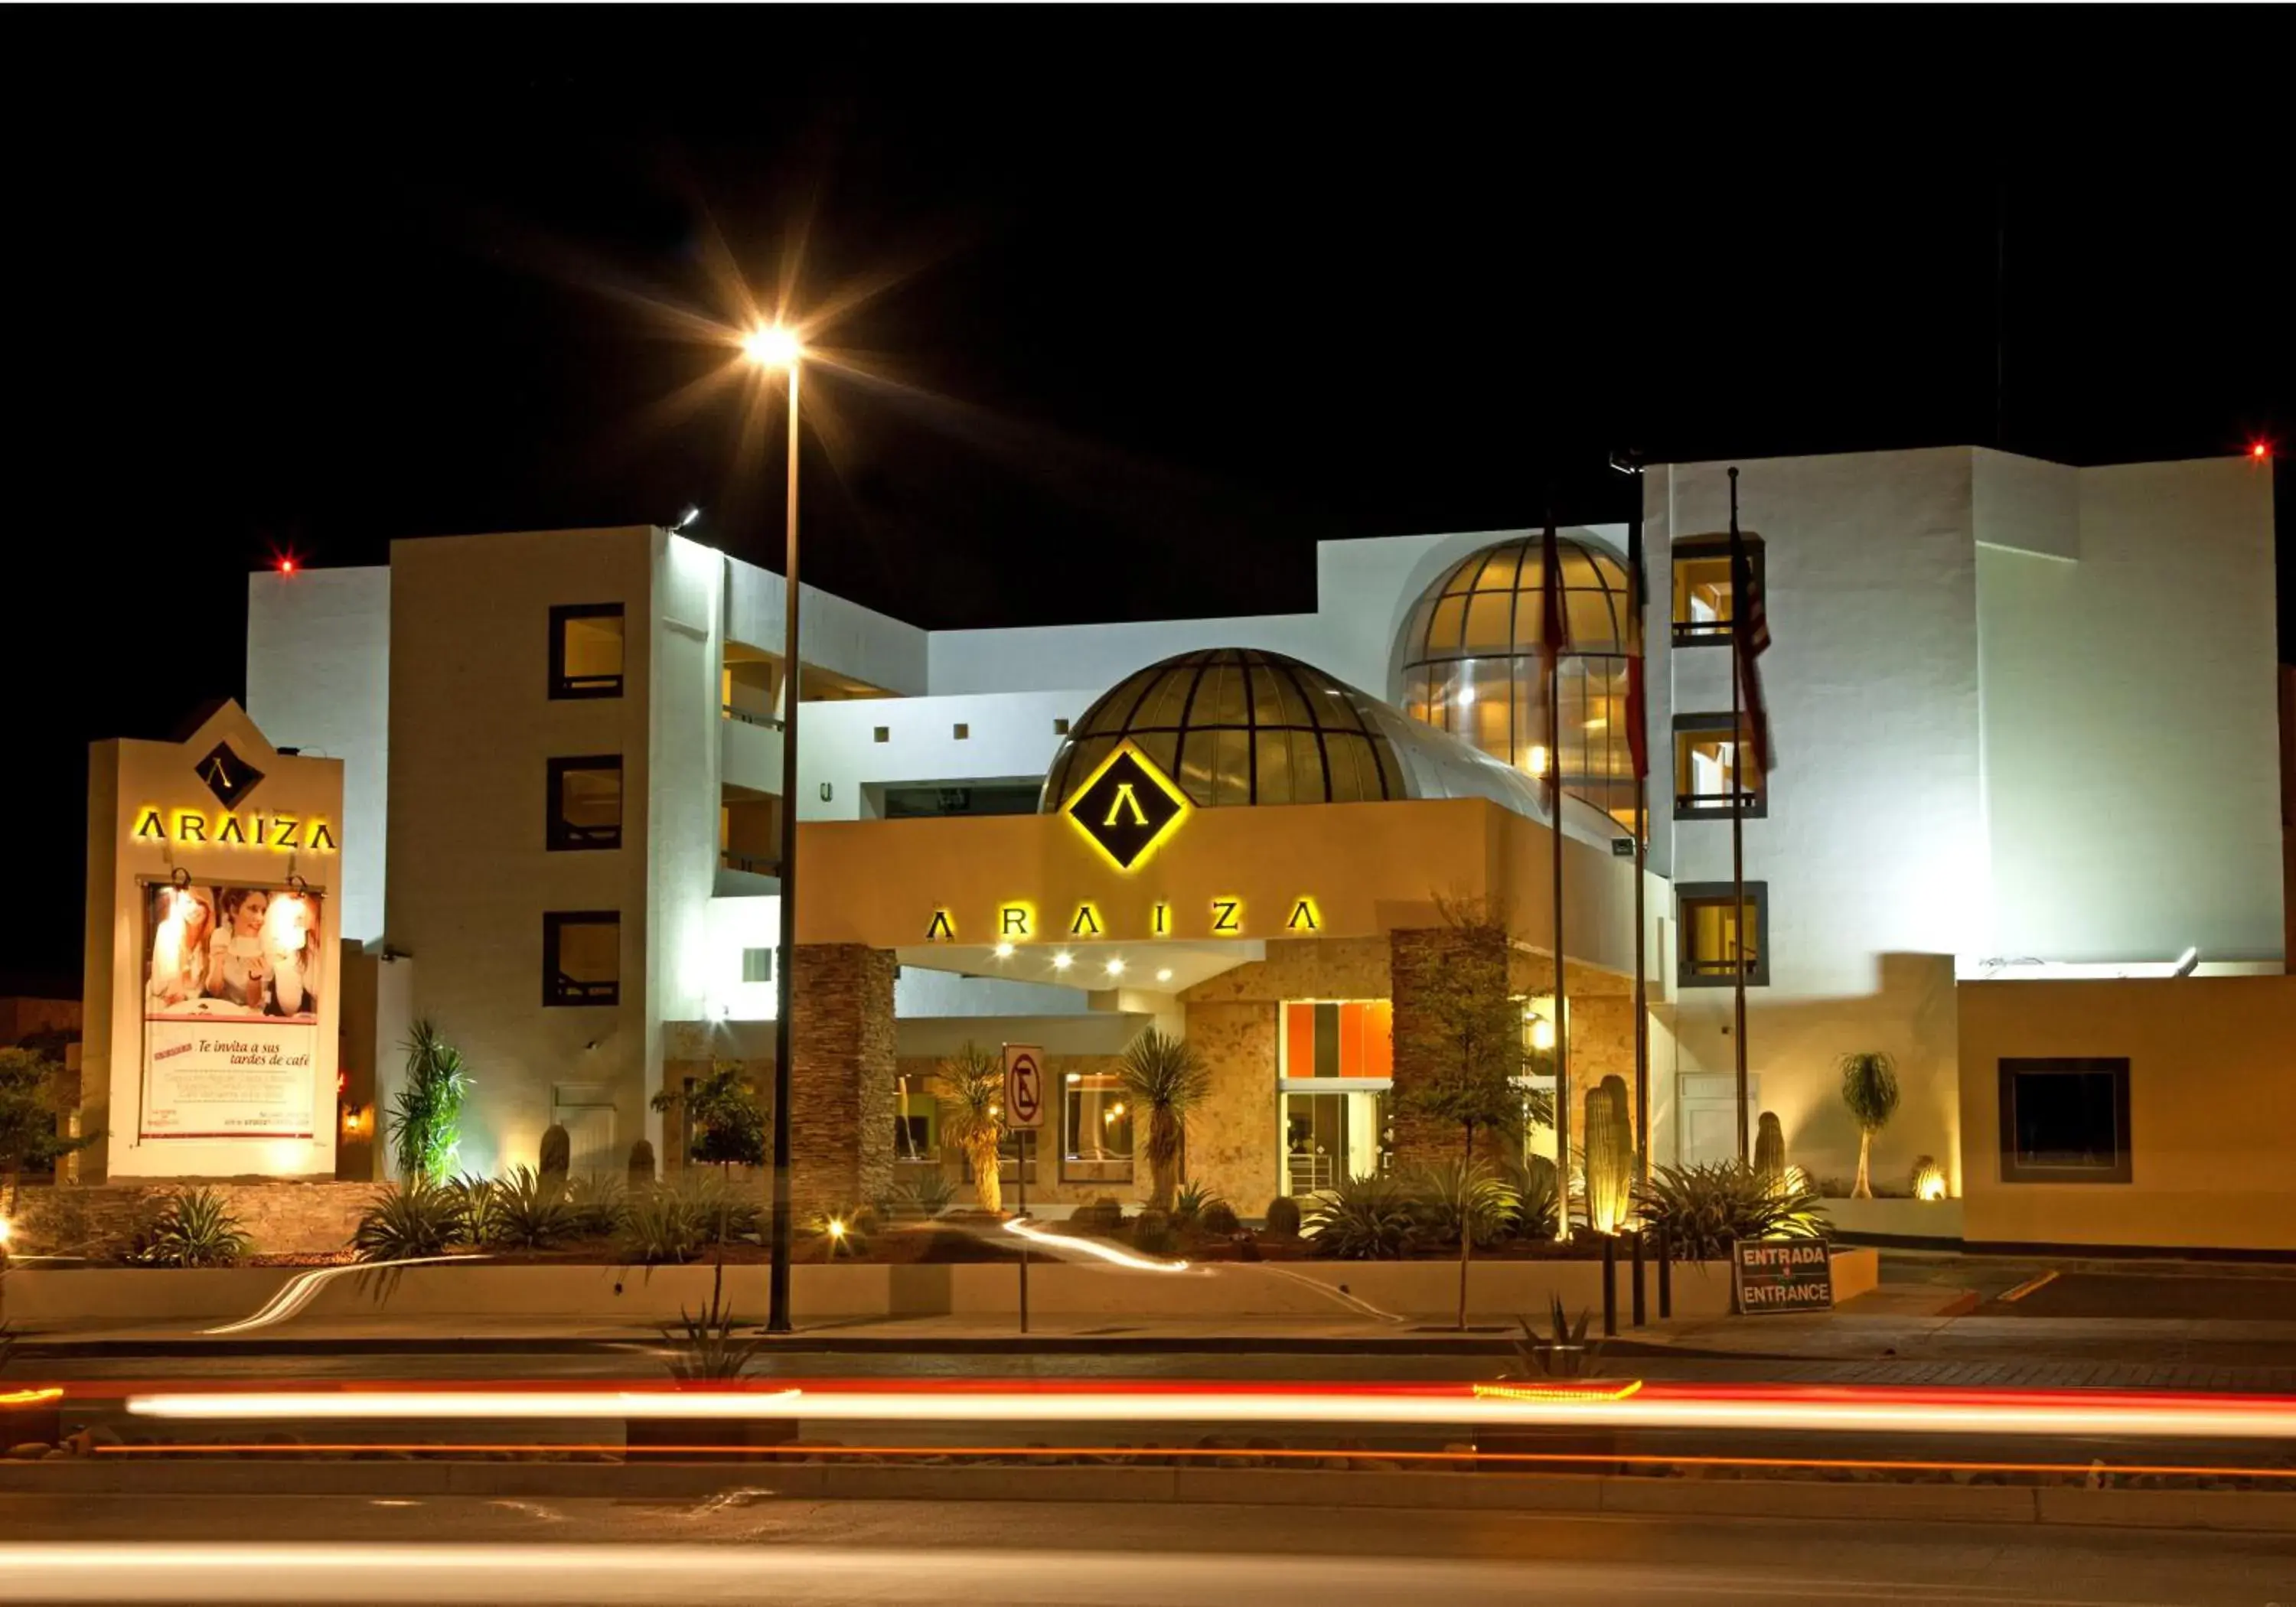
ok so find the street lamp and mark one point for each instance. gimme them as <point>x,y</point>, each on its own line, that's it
<point>769,348</point>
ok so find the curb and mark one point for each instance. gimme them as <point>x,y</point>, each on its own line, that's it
<point>2269,1511</point>
<point>813,1344</point>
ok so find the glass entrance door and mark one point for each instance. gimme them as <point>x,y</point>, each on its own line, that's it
<point>1331,1135</point>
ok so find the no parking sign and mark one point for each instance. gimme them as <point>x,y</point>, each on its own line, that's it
<point>1024,1087</point>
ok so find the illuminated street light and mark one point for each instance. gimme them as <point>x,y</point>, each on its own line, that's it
<point>772,347</point>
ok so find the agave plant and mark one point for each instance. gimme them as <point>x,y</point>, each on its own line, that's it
<point>1532,1181</point>
<point>426,1121</point>
<point>707,1351</point>
<point>1444,1195</point>
<point>195,1228</point>
<point>1702,1209</point>
<point>662,1226</point>
<point>1165,1077</point>
<point>594,1205</point>
<point>529,1210</point>
<point>478,1202</point>
<point>408,1221</point>
<point>1563,1353</point>
<point>973,1116</point>
<point>930,1193</point>
<point>724,1211</point>
<point>1193,1201</point>
<point>1365,1218</point>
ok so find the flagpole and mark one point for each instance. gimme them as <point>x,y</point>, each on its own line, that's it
<point>1552,621</point>
<point>1738,812</point>
<point>1639,710</point>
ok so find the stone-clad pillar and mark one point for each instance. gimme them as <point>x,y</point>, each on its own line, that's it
<point>1420,962</point>
<point>840,1076</point>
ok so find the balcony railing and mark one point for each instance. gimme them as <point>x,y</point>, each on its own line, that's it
<point>770,722</point>
<point>757,864</point>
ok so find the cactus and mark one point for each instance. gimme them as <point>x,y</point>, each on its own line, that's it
<point>641,1174</point>
<point>1610,1156</point>
<point>1283,1217</point>
<point>557,1155</point>
<point>1770,1150</point>
<point>1929,1179</point>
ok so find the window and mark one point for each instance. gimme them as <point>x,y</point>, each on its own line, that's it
<point>962,732</point>
<point>1323,1038</point>
<point>1718,937</point>
<point>1706,752</point>
<point>582,957</point>
<point>1008,1160</point>
<point>2064,1121</point>
<point>585,650</point>
<point>1060,727</point>
<point>1701,585</point>
<point>881,734</point>
<point>1096,1129</point>
<point>757,965</point>
<point>585,803</point>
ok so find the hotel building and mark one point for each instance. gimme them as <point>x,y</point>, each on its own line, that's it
<point>2025,728</point>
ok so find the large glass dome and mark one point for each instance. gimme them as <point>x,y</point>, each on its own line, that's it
<point>1468,663</point>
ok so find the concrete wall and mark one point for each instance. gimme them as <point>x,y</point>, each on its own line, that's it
<point>472,727</point>
<point>319,679</point>
<point>2212,1102</point>
<point>833,633</point>
<point>1008,737</point>
<point>2130,723</point>
<point>102,1223</point>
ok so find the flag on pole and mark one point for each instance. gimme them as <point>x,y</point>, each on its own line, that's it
<point>1750,636</point>
<point>1553,642</point>
<point>1637,709</point>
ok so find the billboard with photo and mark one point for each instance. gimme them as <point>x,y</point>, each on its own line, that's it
<point>230,1010</point>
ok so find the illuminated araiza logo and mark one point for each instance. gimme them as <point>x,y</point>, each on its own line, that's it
<point>1127,807</point>
<point>227,776</point>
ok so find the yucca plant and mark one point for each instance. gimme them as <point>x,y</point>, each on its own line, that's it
<point>707,1352</point>
<point>1702,1209</point>
<point>973,1116</point>
<point>1563,1353</point>
<point>1164,1077</point>
<point>478,1200</point>
<point>408,1221</point>
<point>594,1205</point>
<point>662,1226</point>
<point>1367,1218</point>
<point>530,1209</point>
<point>1531,1177</point>
<point>1191,1201</point>
<point>426,1121</point>
<point>1869,1087</point>
<point>195,1228</point>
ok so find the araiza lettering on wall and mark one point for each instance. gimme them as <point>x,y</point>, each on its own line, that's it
<point>205,828</point>
<point>1017,922</point>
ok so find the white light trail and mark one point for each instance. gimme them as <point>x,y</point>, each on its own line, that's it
<point>297,1291</point>
<point>1115,1255</point>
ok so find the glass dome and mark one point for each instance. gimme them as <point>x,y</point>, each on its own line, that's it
<point>1237,725</point>
<point>1468,663</point>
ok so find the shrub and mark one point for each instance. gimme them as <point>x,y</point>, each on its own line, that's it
<point>1219,1218</point>
<point>476,1199</point>
<point>1190,1201</point>
<point>195,1228</point>
<point>426,1121</point>
<point>708,1351</point>
<point>1151,1232</point>
<point>661,1226</point>
<point>1927,1178</point>
<point>1532,1180</point>
<point>724,1114</point>
<point>530,1209</point>
<point>1283,1217</point>
<point>594,1206</point>
<point>1442,1194</point>
<point>1364,1219</point>
<point>931,1192</point>
<point>1701,1208</point>
<point>408,1221</point>
<point>724,1211</point>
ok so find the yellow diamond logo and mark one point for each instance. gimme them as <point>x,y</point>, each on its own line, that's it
<point>1127,807</point>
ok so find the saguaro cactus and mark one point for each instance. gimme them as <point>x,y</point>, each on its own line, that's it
<point>557,1155</point>
<point>640,1172</point>
<point>1770,1150</point>
<point>1610,1156</point>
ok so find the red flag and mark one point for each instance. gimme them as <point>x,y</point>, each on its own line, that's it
<point>1553,642</point>
<point>1750,636</point>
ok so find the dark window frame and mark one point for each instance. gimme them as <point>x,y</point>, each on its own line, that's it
<point>562,685</point>
<point>1692,805</point>
<point>1687,634</point>
<point>561,835</point>
<point>2009,1069</point>
<point>1689,972</point>
<point>559,990</point>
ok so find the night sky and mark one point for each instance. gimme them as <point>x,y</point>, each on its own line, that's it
<point>1138,306</point>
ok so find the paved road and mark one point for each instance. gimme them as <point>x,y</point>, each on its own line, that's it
<point>1079,1555</point>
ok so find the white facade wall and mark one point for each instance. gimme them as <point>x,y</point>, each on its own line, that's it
<point>832,633</point>
<point>318,679</point>
<point>1009,737</point>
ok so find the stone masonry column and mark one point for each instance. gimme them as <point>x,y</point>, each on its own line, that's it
<point>840,1076</point>
<point>1419,962</point>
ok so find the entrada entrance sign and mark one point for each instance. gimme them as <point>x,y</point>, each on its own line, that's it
<point>1126,806</point>
<point>1781,1274</point>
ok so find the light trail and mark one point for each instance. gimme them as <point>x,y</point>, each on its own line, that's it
<point>297,1292</point>
<point>1115,1255</point>
<point>1883,1410</point>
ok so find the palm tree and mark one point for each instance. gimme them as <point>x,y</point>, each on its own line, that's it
<point>1869,1087</point>
<point>426,1123</point>
<point>1166,1077</point>
<point>973,1116</point>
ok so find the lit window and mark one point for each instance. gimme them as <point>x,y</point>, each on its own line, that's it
<point>1096,1129</point>
<point>1701,585</point>
<point>757,965</point>
<point>1706,755</point>
<point>585,650</point>
<point>582,957</point>
<point>585,803</point>
<point>1719,936</point>
<point>2064,1121</point>
<point>1324,1038</point>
